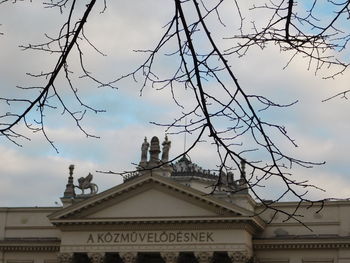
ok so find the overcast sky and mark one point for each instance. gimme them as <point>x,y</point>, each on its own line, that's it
<point>35,175</point>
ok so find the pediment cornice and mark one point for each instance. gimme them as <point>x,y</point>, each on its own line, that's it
<point>226,212</point>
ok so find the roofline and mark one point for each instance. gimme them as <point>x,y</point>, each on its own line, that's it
<point>140,180</point>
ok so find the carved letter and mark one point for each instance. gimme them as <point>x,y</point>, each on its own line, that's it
<point>90,239</point>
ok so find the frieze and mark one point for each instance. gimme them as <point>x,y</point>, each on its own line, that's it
<point>155,240</point>
<point>150,237</point>
<point>158,247</point>
<point>30,248</point>
<point>302,246</point>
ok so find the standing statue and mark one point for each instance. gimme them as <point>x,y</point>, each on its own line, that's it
<point>166,147</point>
<point>144,149</point>
<point>85,183</point>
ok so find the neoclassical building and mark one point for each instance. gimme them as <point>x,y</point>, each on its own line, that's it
<point>163,213</point>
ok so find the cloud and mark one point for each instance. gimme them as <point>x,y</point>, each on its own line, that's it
<point>320,129</point>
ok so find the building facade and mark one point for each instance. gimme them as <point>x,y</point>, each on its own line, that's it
<point>164,213</point>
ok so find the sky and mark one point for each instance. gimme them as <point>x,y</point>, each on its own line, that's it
<point>35,174</point>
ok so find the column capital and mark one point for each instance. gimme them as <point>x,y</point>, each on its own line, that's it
<point>170,257</point>
<point>128,257</point>
<point>65,257</point>
<point>238,256</point>
<point>96,257</point>
<point>204,256</point>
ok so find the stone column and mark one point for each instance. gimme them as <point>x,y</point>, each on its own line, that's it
<point>238,256</point>
<point>65,257</point>
<point>128,257</point>
<point>170,257</point>
<point>204,256</point>
<point>96,257</point>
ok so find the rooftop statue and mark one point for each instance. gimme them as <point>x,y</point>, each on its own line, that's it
<point>85,183</point>
<point>166,147</point>
<point>144,149</point>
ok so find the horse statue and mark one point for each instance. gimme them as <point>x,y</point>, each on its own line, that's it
<point>85,183</point>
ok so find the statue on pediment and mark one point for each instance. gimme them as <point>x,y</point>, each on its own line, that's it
<point>166,147</point>
<point>85,183</point>
<point>144,149</point>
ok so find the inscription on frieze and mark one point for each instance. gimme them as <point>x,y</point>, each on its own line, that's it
<point>150,237</point>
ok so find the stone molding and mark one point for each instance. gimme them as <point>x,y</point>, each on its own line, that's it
<point>247,224</point>
<point>30,227</point>
<point>309,224</point>
<point>163,224</point>
<point>29,248</point>
<point>30,244</point>
<point>152,248</point>
<point>311,243</point>
<point>194,223</point>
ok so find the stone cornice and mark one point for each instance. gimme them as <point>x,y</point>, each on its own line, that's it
<point>35,209</point>
<point>307,223</point>
<point>30,245</point>
<point>77,215</point>
<point>144,223</point>
<point>139,182</point>
<point>159,226</point>
<point>302,243</point>
<point>30,228</point>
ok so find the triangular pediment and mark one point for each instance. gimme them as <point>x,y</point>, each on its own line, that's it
<point>152,202</point>
<point>148,198</point>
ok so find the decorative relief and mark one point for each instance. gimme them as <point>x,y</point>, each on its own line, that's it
<point>204,257</point>
<point>31,248</point>
<point>128,257</point>
<point>65,257</point>
<point>96,257</point>
<point>170,257</point>
<point>302,246</point>
<point>238,256</point>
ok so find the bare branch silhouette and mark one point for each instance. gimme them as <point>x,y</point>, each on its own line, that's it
<point>222,112</point>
